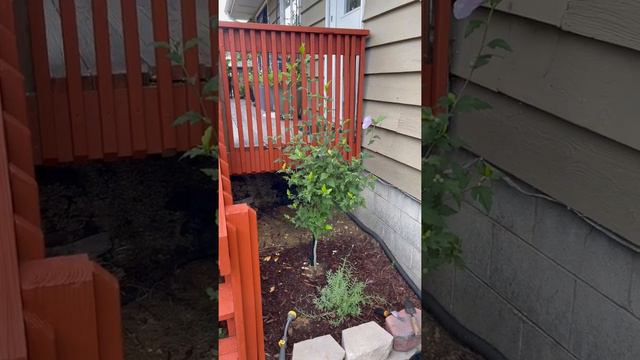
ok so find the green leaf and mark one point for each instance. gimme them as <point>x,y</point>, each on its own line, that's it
<point>192,153</point>
<point>175,57</point>
<point>483,195</point>
<point>190,117</point>
<point>326,87</point>
<point>212,293</point>
<point>212,173</point>
<point>210,86</point>
<point>470,103</point>
<point>472,25</point>
<point>487,171</point>
<point>161,45</point>
<point>446,101</point>
<point>191,43</point>
<point>481,61</point>
<point>206,137</point>
<point>499,44</point>
<point>431,217</point>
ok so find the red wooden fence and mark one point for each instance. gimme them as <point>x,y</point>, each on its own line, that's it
<point>240,301</point>
<point>105,115</point>
<point>63,307</point>
<point>13,344</point>
<point>253,133</point>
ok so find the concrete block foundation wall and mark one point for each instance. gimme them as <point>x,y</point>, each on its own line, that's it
<point>396,217</point>
<point>541,283</point>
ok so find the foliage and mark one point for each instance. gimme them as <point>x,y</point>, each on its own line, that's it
<point>208,146</point>
<point>446,182</point>
<point>320,179</point>
<point>343,296</point>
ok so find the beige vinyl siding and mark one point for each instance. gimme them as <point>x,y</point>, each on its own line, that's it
<point>385,59</point>
<point>398,24</point>
<point>313,12</point>
<point>392,89</point>
<point>392,86</point>
<point>402,119</point>
<point>375,8</point>
<point>581,80</point>
<point>395,146</point>
<point>613,21</point>
<point>397,174</point>
<point>564,115</point>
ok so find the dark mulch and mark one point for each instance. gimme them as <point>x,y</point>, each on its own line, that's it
<point>158,214</point>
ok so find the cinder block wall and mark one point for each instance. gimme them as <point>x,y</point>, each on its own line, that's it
<point>396,217</point>
<point>541,283</point>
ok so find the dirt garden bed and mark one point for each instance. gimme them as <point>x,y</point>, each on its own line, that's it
<point>150,223</point>
<point>287,283</point>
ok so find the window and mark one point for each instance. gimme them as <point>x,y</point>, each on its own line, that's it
<point>263,17</point>
<point>351,5</point>
<point>291,12</point>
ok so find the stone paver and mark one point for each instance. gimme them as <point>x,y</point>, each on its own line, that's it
<point>320,348</point>
<point>397,355</point>
<point>368,341</point>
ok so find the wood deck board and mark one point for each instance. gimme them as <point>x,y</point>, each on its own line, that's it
<point>86,41</point>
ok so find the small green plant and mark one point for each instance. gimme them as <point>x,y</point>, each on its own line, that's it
<point>320,178</point>
<point>445,181</point>
<point>208,96</point>
<point>343,296</point>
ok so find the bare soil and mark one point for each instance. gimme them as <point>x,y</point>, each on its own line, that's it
<point>161,241</point>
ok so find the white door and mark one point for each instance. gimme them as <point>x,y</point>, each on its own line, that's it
<point>345,14</point>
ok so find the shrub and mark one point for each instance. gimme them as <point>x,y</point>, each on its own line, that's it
<point>343,296</point>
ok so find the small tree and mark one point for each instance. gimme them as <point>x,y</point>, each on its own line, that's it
<point>319,176</point>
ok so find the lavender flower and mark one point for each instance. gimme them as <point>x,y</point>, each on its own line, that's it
<point>367,122</point>
<point>464,8</point>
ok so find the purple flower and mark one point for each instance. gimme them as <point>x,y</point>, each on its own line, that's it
<point>464,8</point>
<point>366,122</point>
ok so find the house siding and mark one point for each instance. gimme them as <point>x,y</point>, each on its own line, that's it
<point>392,86</point>
<point>393,82</point>
<point>312,12</point>
<point>562,275</point>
